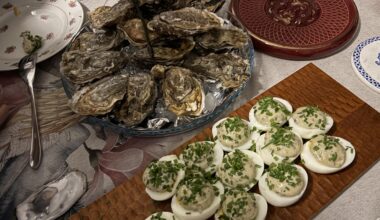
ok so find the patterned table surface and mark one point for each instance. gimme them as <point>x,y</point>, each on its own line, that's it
<point>70,144</point>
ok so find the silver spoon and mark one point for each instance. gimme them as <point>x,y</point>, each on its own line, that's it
<point>27,66</point>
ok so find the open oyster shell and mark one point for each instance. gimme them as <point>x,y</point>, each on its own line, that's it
<point>53,199</point>
<point>81,67</point>
<point>223,38</point>
<point>90,41</point>
<point>140,99</point>
<point>99,97</point>
<point>228,68</point>
<point>184,22</point>
<point>165,52</point>
<point>134,32</point>
<point>182,93</point>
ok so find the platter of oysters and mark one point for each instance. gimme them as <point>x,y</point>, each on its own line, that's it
<point>153,68</point>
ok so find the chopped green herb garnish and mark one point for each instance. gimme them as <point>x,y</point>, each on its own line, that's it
<point>312,112</point>
<point>281,136</point>
<point>333,157</point>
<point>284,172</point>
<point>157,216</point>
<point>267,103</point>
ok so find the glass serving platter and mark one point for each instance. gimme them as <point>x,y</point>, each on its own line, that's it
<point>247,53</point>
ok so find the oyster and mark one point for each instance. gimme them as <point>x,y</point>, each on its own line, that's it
<point>134,32</point>
<point>99,97</point>
<point>139,101</point>
<point>165,52</point>
<point>159,6</point>
<point>210,5</point>
<point>223,38</point>
<point>90,41</point>
<point>228,68</point>
<point>184,22</point>
<point>104,16</point>
<point>81,67</point>
<point>182,93</point>
<point>54,199</point>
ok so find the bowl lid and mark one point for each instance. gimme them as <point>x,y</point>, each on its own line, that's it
<point>298,29</point>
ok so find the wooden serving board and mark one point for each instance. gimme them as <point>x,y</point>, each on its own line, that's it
<point>354,120</point>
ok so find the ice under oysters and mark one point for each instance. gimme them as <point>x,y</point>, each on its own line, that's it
<point>181,86</point>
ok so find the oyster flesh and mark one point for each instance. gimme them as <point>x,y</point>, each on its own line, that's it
<point>81,67</point>
<point>90,41</point>
<point>54,199</point>
<point>165,52</point>
<point>140,98</point>
<point>223,38</point>
<point>182,93</point>
<point>134,32</point>
<point>228,68</point>
<point>99,97</point>
<point>184,22</point>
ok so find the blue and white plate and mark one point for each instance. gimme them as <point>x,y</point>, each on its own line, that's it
<point>366,62</point>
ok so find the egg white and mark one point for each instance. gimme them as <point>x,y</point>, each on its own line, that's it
<point>262,127</point>
<point>314,165</point>
<point>161,196</point>
<point>184,214</point>
<point>308,133</point>
<point>276,199</point>
<point>262,208</point>
<point>218,157</point>
<point>253,137</point>
<point>257,161</point>
<point>266,155</point>
<point>165,215</point>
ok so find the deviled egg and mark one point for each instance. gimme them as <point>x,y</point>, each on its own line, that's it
<point>279,145</point>
<point>240,169</point>
<point>205,154</point>
<point>161,216</point>
<point>270,111</point>
<point>196,199</point>
<point>162,177</point>
<point>234,133</point>
<point>283,184</point>
<point>309,121</point>
<point>239,204</point>
<point>327,154</point>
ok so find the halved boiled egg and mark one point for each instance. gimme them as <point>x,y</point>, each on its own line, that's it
<point>283,184</point>
<point>327,154</point>
<point>234,133</point>
<point>204,154</point>
<point>196,199</point>
<point>240,168</point>
<point>239,204</point>
<point>309,121</point>
<point>269,111</point>
<point>161,216</point>
<point>279,145</point>
<point>162,177</point>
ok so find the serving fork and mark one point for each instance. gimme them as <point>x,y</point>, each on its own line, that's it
<point>27,66</point>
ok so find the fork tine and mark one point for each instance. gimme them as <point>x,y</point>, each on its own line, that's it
<point>26,61</point>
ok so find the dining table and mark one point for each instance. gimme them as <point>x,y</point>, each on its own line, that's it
<point>70,143</point>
